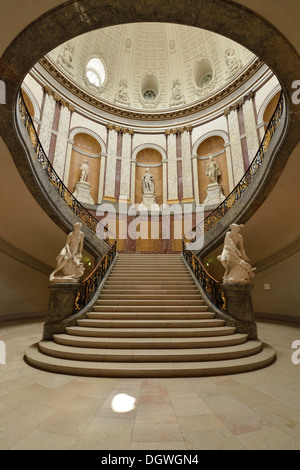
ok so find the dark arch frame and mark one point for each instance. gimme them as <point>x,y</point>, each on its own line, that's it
<point>73,18</point>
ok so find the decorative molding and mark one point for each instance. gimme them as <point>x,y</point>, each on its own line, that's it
<point>179,130</point>
<point>239,103</point>
<point>210,100</point>
<point>123,130</point>
<point>58,99</point>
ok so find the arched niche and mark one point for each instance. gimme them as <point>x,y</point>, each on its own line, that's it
<point>149,158</point>
<point>85,147</point>
<point>270,109</point>
<point>213,146</point>
<point>28,103</point>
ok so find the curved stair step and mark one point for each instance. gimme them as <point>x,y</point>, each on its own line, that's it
<point>143,370</point>
<point>137,323</point>
<point>149,355</point>
<point>149,343</point>
<point>149,315</point>
<point>151,308</point>
<point>150,332</point>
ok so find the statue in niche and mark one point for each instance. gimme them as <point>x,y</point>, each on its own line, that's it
<point>148,182</point>
<point>84,172</point>
<point>65,59</point>
<point>232,61</point>
<point>69,268</point>
<point>122,95</point>
<point>237,267</point>
<point>212,170</point>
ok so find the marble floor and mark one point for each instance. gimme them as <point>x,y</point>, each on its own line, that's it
<point>258,410</point>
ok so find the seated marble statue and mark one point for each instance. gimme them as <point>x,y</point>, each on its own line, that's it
<point>237,267</point>
<point>69,268</point>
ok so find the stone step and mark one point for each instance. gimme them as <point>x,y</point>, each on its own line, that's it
<point>149,302</point>
<point>152,283</point>
<point>150,332</point>
<point>151,308</point>
<point>149,355</point>
<point>150,315</point>
<point>148,292</point>
<point>149,369</point>
<point>150,343</point>
<point>155,323</point>
<point>149,297</point>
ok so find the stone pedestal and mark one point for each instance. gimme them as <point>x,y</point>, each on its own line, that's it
<point>149,201</point>
<point>214,196</point>
<point>240,307</point>
<point>83,192</point>
<point>60,307</point>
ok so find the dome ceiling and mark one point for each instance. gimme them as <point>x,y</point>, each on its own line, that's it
<point>151,66</point>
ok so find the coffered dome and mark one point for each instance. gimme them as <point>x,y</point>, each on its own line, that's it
<point>152,66</point>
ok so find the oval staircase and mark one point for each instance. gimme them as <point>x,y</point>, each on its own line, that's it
<point>150,321</point>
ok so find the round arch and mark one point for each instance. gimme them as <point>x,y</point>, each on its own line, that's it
<point>85,130</point>
<point>216,132</point>
<point>160,149</point>
<point>72,18</point>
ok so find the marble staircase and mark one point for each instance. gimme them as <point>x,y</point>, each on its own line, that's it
<point>150,321</point>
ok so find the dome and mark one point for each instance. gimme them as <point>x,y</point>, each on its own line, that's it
<point>149,66</point>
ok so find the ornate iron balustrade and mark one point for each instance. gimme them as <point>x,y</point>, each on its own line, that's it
<point>93,281</point>
<point>212,219</point>
<point>77,208</point>
<point>211,287</point>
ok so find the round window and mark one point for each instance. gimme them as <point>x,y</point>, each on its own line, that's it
<point>206,80</point>
<point>95,72</point>
<point>149,95</point>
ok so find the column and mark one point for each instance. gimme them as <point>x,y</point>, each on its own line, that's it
<point>110,176</point>
<point>62,142</point>
<point>250,129</point>
<point>165,181</point>
<point>172,169</point>
<point>46,124</point>
<point>188,194</point>
<point>68,162</point>
<point>196,180</point>
<point>229,167</point>
<point>125,167</point>
<point>101,177</point>
<point>236,147</point>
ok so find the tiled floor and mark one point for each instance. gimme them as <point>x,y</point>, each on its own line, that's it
<point>257,410</point>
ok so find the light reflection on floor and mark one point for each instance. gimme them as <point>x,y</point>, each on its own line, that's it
<point>122,403</point>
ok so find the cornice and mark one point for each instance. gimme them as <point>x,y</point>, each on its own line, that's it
<point>195,107</point>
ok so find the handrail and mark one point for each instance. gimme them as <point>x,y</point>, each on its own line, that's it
<point>210,285</point>
<point>77,208</point>
<point>213,218</point>
<point>92,282</point>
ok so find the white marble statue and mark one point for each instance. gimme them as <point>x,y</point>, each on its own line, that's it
<point>148,182</point>
<point>232,61</point>
<point>65,59</point>
<point>212,170</point>
<point>237,267</point>
<point>69,268</point>
<point>84,171</point>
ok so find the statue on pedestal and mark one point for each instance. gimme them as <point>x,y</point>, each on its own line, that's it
<point>212,170</point>
<point>149,197</point>
<point>237,267</point>
<point>69,268</point>
<point>82,187</point>
<point>84,172</point>
<point>214,190</point>
<point>148,182</point>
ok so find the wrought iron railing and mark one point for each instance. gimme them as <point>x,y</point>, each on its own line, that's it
<point>212,219</point>
<point>92,282</point>
<point>211,286</point>
<point>77,208</point>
